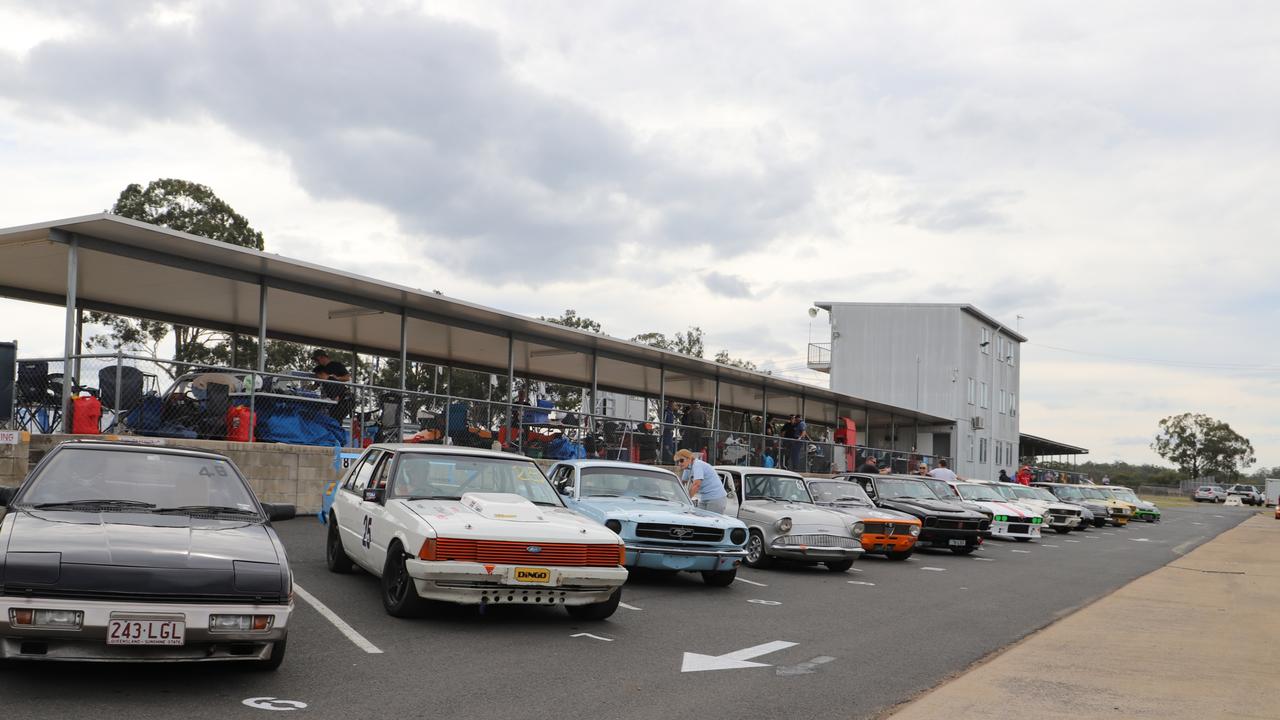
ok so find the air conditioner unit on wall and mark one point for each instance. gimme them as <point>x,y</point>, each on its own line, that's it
<point>978,422</point>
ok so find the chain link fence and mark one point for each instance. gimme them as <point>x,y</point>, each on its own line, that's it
<point>136,395</point>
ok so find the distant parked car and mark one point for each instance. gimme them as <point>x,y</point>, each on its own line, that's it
<point>648,508</point>
<point>944,523</point>
<point>1248,494</point>
<point>884,532</point>
<point>1209,493</point>
<point>1145,510</point>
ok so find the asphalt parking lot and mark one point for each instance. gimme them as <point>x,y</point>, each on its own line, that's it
<point>829,645</point>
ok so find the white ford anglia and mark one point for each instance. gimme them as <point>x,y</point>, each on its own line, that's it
<point>473,527</point>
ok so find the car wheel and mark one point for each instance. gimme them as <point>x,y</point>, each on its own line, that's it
<point>277,657</point>
<point>756,556</point>
<point>399,596</point>
<point>596,611</point>
<point>722,578</point>
<point>335,556</point>
<point>839,565</point>
<point>966,550</point>
<point>1099,522</point>
<point>1062,530</point>
<point>898,555</point>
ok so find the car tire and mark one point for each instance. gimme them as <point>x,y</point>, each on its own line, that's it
<point>898,555</point>
<point>1023,539</point>
<point>756,555</point>
<point>1062,530</point>
<point>335,556</point>
<point>596,611</point>
<point>839,565</point>
<point>966,550</point>
<point>272,663</point>
<point>399,596</point>
<point>1099,522</point>
<point>720,578</point>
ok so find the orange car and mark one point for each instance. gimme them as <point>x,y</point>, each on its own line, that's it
<point>882,532</point>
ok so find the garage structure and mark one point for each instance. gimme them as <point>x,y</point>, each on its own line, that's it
<point>108,263</point>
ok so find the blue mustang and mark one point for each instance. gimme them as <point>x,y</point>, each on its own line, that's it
<point>649,508</point>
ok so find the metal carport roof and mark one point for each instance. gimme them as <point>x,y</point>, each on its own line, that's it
<point>133,268</point>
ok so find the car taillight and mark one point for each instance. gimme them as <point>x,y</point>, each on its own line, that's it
<point>240,623</point>
<point>622,554</point>
<point>20,617</point>
<point>428,550</point>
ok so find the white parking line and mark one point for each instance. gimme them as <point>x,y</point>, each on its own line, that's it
<point>1042,545</point>
<point>1024,552</point>
<point>629,607</point>
<point>338,622</point>
<point>1074,541</point>
<point>752,582</point>
<point>985,559</point>
<point>934,569</point>
<point>859,582</point>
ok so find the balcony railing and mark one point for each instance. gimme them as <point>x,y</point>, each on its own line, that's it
<point>820,357</point>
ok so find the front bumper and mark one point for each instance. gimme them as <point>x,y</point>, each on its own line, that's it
<point>475,583</point>
<point>1004,530</point>
<point>876,543</point>
<point>944,536</point>
<point>89,643</point>
<point>660,557</point>
<point>1119,519</point>
<point>1064,521</point>
<point>822,548</point>
<point>1144,514</point>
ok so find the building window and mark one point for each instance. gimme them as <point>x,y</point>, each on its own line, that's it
<point>971,391</point>
<point>986,341</point>
<point>1003,403</point>
<point>982,450</point>
<point>1013,405</point>
<point>1013,346</point>
<point>984,396</point>
<point>970,448</point>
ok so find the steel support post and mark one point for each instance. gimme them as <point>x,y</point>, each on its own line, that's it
<point>69,328</point>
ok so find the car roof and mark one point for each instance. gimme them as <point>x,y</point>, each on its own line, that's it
<point>446,450</point>
<point>762,470</point>
<point>134,446</point>
<point>593,462</point>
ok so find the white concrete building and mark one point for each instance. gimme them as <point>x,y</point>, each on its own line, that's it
<point>946,360</point>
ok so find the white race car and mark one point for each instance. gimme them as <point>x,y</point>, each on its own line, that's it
<point>1062,517</point>
<point>471,527</point>
<point>1008,521</point>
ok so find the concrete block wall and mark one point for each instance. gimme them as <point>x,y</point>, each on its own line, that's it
<point>294,474</point>
<point>14,461</point>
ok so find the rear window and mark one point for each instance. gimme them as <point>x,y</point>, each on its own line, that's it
<point>164,480</point>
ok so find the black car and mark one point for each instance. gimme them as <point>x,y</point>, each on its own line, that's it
<point>119,551</point>
<point>945,523</point>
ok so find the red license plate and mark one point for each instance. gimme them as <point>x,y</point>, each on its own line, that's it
<point>145,632</point>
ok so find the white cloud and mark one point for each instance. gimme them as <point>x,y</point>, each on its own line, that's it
<point>1105,171</point>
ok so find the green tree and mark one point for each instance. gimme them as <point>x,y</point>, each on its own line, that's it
<point>1200,445</point>
<point>688,342</point>
<point>723,358</point>
<point>571,318</point>
<point>192,208</point>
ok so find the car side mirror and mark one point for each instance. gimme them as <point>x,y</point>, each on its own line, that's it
<point>374,495</point>
<point>279,511</point>
<point>6,494</point>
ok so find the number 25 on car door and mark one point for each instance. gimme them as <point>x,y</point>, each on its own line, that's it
<point>375,530</point>
<point>354,521</point>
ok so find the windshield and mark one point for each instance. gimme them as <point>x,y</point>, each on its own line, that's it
<point>834,491</point>
<point>1126,495</point>
<point>1068,493</point>
<point>975,493</point>
<point>1094,493</point>
<point>631,483</point>
<point>1006,491</point>
<point>1024,493</point>
<point>776,487</point>
<point>941,489</point>
<point>1042,494</point>
<point>138,479</point>
<point>446,477</point>
<point>905,490</point>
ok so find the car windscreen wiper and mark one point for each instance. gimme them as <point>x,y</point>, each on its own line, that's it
<point>545,503</point>
<point>431,497</point>
<point>595,495</point>
<point>652,497</point>
<point>101,503</point>
<point>206,510</point>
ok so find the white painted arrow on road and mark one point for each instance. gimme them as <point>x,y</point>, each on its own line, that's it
<point>736,660</point>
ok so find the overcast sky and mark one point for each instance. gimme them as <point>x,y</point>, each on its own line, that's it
<point>1108,171</point>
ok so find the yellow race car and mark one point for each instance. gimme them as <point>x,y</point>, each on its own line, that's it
<point>1118,512</point>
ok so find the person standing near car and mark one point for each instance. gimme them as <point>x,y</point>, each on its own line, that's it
<point>705,487</point>
<point>1004,477</point>
<point>944,473</point>
<point>799,444</point>
<point>332,370</point>
<point>1024,475</point>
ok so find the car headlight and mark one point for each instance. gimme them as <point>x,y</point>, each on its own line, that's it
<point>784,525</point>
<point>915,531</point>
<point>614,525</point>
<point>857,528</point>
<point>737,536</point>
